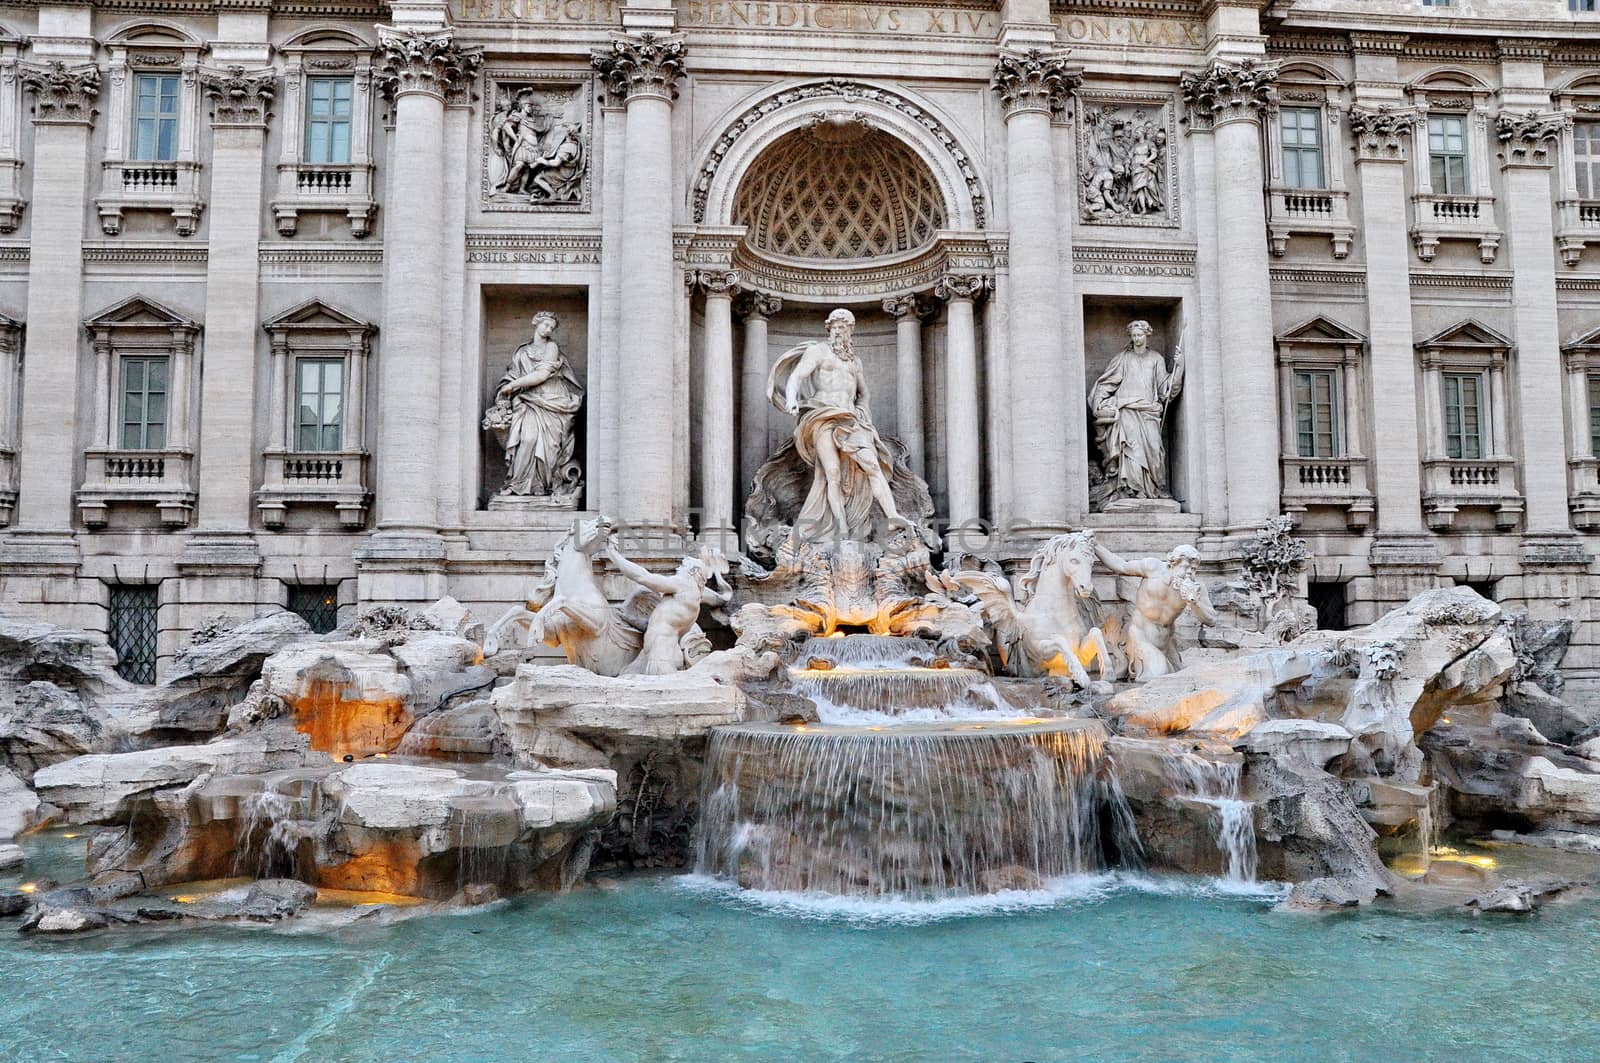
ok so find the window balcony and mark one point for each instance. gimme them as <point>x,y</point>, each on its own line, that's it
<point>1439,217</point>
<point>160,478</point>
<point>326,188</point>
<point>173,187</point>
<point>1340,483</point>
<point>1577,225</point>
<point>1324,212</point>
<point>8,484</point>
<point>1450,485</point>
<point>1583,493</point>
<point>335,478</point>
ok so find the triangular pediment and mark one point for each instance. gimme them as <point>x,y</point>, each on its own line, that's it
<point>1588,339</point>
<point>1322,329</point>
<point>1468,333</point>
<point>316,314</point>
<point>138,311</point>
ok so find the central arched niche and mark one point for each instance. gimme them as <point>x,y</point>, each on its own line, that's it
<point>839,189</point>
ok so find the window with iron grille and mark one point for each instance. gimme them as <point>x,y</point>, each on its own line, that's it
<point>133,626</point>
<point>317,604</point>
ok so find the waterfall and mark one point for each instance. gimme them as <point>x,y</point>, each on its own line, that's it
<point>272,825</point>
<point>1216,784</point>
<point>905,811</point>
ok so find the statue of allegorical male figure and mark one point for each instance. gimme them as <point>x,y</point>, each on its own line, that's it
<point>1128,405</point>
<point>838,478</point>
<point>535,407</point>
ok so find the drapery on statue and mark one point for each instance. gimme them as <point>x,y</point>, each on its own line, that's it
<point>1166,588</point>
<point>1128,405</point>
<point>534,409</point>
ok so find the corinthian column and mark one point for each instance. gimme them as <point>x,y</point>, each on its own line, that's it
<point>1527,150</point>
<point>644,70</point>
<point>716,410</point>
<point>240,109</point>
<point>962,457</point>
<point>1230,99</point>
<point>50,436</point>
<point>416,69</point>
<point>1033,85</point>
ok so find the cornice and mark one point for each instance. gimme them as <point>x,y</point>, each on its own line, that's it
<point>319,9</point>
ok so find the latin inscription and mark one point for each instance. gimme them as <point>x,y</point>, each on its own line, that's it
<point>801,16</point>
<point>535,258</point>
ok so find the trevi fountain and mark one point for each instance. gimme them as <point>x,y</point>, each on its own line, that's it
<point>705,530</point>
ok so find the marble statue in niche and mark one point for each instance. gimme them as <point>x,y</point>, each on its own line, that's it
<point>1124,163</point>
<point>1128,406</point>
<point>534,417</point>
<point>837,478</point>
<point>537,147</point>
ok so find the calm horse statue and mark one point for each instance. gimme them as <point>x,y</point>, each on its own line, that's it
<point>1052,629</point>
<point>567,609</point>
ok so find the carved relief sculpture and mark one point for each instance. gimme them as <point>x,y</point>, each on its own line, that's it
<point>536,146</point>
<point>1124,162</point>
<point>533,416</point>
<point>854,480</point>
<point>1128,405</point>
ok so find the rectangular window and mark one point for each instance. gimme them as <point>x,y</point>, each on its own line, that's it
<point>1316,412</point>
<point>1329,600</point>
<point>143,403</point>
<point>155,118</point>
<point>1586,156</point>
<point>1594,413</point>
<point>317,604</point>
<point>328,119</point>
<point>132,627</point>
<point>1464,435</point>
<point>1436,3</point>
<point>1302,147</point>
<point>319,404</point>
<point>1447,153</point>
<point>1583,5</point>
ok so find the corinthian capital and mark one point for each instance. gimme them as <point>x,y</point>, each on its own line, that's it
<point>433,63</point>
<point>1226,92</point>
<point>63,95</point>
<point>1525,137</point>
<point>647,64</point>
<point>1381,132</point>
<point>1034,80</point>
<point>239,98</point>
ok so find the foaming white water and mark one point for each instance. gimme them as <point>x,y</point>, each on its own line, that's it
<point>830,712</point>
<point>1066,892</point>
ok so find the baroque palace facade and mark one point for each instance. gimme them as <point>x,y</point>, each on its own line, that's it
<point>264,265</point>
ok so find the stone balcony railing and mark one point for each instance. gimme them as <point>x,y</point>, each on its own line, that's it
<point>326,188</point>
<point>1437,217</point>
<point>173,187</point>
<point>1339,483</point>
<point>8,484</point>
<point>1312,212</point>
<point>1583,492</point>
<point>1577,224</point>
<point>160,478</point>
<point>314,478</point>
<point>1450,485</point>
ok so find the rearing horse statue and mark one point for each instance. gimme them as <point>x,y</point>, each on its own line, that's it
<point>1052,629</point>
<point>566,609</point>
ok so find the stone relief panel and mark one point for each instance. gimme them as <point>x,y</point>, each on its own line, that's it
<point>536,142</point>
<point>1127,160</point>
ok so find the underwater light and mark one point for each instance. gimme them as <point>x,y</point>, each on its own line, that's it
<point>28,887</point>
<point>183,898</point>
<point>71,835</point>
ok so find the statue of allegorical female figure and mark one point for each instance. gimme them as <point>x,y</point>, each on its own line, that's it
<point>536,405</point>
<point>1128,405</point>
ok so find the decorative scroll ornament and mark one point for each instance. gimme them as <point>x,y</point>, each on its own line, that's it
<point>239,98</point>
<point>1380,132</point>
<point>1035,80</point>
<point>63,95</point>
<point>961,286</point>
<point>1527,137</point>
<point>649,64</point>
<point>758,304</point>
<point>1225,92</point>
<point>410,61</point>
<point>716,281</point>
<point>898,306</point>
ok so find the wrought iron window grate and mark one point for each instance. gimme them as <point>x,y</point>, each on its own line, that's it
<point>317,604</point>
<point>134,624</point>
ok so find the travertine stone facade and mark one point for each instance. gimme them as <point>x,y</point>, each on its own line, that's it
<point>263,266</point>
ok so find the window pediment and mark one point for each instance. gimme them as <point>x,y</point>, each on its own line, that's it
<point>1466,336</point>
<point>1322,329</point>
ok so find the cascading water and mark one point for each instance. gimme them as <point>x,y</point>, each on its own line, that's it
<point>938,789</point>
<point>1216,784</point>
